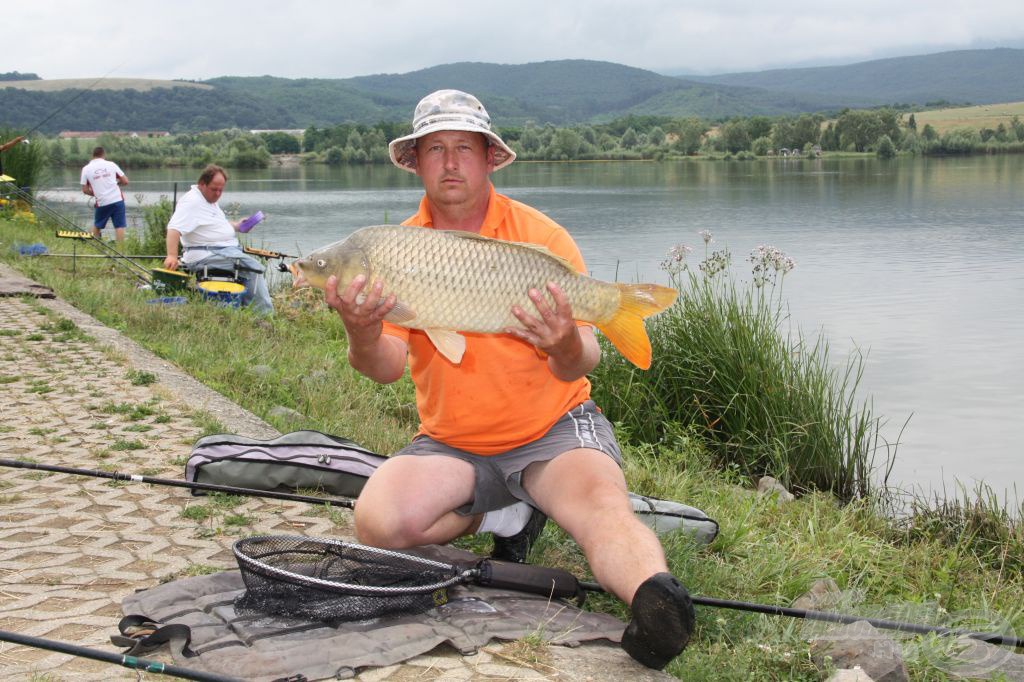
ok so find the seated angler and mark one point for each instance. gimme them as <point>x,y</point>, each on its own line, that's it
<point>208,239</point>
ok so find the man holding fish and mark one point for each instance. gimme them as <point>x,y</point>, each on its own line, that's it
<point>485,301</point>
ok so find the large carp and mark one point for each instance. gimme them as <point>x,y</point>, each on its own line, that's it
<point>449,281</point>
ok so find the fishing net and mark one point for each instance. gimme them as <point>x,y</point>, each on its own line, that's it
<point>331,580</point>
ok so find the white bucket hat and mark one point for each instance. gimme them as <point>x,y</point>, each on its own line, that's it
<point>448,110</point>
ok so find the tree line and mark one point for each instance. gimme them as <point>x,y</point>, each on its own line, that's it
<point>879,131</point>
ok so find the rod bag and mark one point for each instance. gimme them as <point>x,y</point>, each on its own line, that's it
<point>312,460</point>
<point>666,516</point>
<point>299,460</point>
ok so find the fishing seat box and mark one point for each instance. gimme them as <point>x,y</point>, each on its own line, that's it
<point>300,460</point>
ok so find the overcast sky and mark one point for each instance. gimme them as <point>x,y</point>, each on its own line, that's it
<point>321,39</point>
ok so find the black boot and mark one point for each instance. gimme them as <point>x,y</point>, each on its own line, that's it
<point>517,547</point>
<point>662,622</point>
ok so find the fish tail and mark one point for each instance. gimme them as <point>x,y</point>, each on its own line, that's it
<point>625,328</point>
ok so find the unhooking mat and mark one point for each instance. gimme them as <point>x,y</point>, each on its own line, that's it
<point>272,648</point>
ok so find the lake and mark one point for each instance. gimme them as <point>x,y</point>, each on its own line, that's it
<point>919,263</point>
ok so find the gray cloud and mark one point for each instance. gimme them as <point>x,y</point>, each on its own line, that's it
<point>321,39</point>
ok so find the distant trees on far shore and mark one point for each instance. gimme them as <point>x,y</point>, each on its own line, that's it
<point>879,131</point>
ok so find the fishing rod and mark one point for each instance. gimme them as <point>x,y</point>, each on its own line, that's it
<point>264,253</point>
<point>807,614</point>
<point>98,255</point>
<point>211,487</point>
<point>118,659</point>
<point>831,617</point>
<point>136,270</point>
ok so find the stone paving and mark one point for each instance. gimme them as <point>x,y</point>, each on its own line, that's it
<point>78,394</point>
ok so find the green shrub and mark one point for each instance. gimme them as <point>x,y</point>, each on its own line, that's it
<point>155,217</point>
<point>26,163</point>
<point>761,145</point>
<point>766,402</point>
<point>884,148</point>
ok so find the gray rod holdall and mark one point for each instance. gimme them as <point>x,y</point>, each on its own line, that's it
<point>665,516</point>
<point>311,460</point>
<point>308,460</point>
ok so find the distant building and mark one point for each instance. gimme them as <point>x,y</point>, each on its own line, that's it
<point>290,131</point>
<point>93,134</point>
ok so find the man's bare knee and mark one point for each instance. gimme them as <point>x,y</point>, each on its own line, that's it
<point>388,531</point>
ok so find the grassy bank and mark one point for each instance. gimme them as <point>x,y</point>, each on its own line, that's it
<point>933,566</point>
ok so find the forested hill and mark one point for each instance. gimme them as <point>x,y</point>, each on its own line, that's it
<point>560,92</point>
<point>963,76</point>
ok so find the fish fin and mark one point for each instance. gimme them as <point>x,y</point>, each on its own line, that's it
<point>625,328</point>
<point>450,344</point>
<point>526,245</point>
<point>400,314</point>
<point>553,256</point>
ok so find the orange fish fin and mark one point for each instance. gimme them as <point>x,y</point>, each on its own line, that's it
<point>450,344</point>
<point>625,328</point>
<point>400,314</point>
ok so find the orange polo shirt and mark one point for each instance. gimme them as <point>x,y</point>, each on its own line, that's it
<point>502,395</point>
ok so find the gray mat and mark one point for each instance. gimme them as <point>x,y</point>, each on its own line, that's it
<point>270,648</point>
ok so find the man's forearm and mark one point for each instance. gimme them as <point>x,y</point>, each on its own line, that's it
<point>575,365</point>
<point>173,238</point>
<point>382,360</point>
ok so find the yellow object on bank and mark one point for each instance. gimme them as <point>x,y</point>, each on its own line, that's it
<point>222,287</point>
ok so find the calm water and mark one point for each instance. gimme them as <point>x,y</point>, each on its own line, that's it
<point>919,263</point>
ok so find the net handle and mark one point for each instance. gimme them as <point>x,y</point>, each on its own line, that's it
<point>258,566</point>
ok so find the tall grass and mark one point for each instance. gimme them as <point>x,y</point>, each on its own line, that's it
<point>26,163</point>
<point>765,399</point>
<point>155,217</point>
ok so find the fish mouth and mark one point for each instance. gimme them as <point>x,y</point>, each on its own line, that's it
<point>298,277</point>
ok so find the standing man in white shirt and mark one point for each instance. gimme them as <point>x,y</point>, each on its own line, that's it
<point>104,179</point>
<point>208,239</point>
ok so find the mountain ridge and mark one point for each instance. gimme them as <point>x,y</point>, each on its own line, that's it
<point>559,92</point>
<point>980,76</point>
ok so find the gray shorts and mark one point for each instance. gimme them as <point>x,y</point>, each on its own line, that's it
<point>499,477</point>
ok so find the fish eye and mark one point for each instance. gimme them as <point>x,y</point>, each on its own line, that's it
<point>321,263</point>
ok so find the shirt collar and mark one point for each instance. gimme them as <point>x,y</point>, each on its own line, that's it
<point>497,209</point>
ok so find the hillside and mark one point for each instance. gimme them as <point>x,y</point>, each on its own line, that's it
<point>546,92</point>
<point>558,92</point>
<point>975,118</point>
<point>140,84</point>
<point>962,76</point>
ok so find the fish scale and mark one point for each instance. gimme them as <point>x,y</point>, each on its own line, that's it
<point>447,282</point>
<point>471,284</point>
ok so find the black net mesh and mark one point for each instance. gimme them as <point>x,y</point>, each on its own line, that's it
<point>329,580</point>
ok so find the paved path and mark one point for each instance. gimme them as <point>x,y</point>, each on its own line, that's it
<point>76,393</point>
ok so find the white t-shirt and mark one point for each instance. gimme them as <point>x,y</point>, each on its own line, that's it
<point>201,224</point>
<point>102,176</point>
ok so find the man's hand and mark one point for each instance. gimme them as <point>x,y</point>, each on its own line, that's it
<point>171,262</point>
<point>572,352</point>
<point>370,351</point>
<point>551,330</point>
<point>363,321</point>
